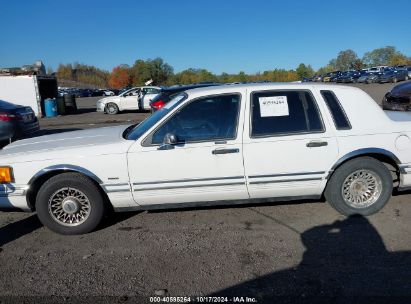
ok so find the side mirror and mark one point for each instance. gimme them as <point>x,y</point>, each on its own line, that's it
<point>169,141</point>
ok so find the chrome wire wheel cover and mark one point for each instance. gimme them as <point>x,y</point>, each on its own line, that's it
<point>69,207</point>
<point>362,188</point>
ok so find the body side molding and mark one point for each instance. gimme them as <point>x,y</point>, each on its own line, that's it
<point>362,152</point>
<point>68,168</point>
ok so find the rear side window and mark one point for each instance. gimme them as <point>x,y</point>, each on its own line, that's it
<point>337,112</point>
<point>284,112</point>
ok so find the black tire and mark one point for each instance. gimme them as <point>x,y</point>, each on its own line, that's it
<point>334,190</point>
<point>74,182</point>
<point>111,108</point>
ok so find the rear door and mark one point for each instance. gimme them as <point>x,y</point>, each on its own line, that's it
<point>287,148</point>
<point>148,95</point>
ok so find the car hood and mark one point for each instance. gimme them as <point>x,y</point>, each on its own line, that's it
<point>81,140</point>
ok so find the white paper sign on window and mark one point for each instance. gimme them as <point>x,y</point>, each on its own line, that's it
<point>273,106</point>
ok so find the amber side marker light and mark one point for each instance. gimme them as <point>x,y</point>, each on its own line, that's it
<point>6,175</point>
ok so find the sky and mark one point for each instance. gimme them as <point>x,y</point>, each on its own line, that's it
<point>218,35</point>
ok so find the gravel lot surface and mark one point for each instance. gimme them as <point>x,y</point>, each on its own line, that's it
<point>299,251</point>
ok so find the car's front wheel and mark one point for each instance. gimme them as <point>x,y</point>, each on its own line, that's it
<point>70,203</point>
<point>112,108</point>
<point>360,186</point>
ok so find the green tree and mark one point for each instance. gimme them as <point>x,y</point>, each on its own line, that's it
<point>155,69</point>
<point>380,56</point>
<point>304,71</point>
<point>345,60</point>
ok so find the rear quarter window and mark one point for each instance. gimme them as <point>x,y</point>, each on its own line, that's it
<point>340,119</point>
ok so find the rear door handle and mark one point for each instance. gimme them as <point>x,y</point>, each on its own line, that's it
<point>315,144</point>
<point>225,151</point>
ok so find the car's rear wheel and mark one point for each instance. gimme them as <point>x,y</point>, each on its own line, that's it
<point>394,80</point>
<point>70,203</point>
<point>112,108</point>
<point>360,186</point>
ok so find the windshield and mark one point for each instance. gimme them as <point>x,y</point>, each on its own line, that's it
<point>139,130</point>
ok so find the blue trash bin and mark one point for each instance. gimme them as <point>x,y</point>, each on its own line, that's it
<point>50,107</point>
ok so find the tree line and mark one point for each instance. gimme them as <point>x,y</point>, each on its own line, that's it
<point>163,74</point>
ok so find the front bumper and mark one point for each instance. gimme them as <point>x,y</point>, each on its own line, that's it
<point>405,177</point>
<point>14,196</point>
<point>101,107</point>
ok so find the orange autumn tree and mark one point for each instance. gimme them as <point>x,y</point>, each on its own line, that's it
<point>119,77</point>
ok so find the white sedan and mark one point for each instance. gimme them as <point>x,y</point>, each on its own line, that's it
<point>137,98</point>
<point>217,145</point>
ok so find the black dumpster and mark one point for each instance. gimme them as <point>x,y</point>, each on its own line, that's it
<point>70,103</point>
<point>61,106</point>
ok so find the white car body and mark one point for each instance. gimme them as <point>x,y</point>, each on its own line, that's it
<point>136,176</point>
<point>131,99</point>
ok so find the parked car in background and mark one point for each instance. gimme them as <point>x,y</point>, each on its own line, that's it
<point>393,76</point>
<point>409,72</point>
<point>349,77</point>
<point>217,145</point>
<point>132,99</point>
<point>366,77</point>
<point>327,77</point>
<point>399,98</point>
<point>377,69</point>
<point>330,76</point>
<point>16,121</point>
<point>317,78</point>
<point>335,76</point>
<point>108,93</point>
<point>167,94</point>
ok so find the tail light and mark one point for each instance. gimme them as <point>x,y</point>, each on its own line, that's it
<point>7,117</point>
<point>158,104</point>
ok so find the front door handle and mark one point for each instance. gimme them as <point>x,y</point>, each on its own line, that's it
<point>225,151</point>
<point>315,144</point>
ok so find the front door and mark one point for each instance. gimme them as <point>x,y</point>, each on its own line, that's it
<point>287,148</point>
<point>205,164</point>
<point>129,101</point>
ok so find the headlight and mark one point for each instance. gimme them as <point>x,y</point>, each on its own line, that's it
<point>6,175</point>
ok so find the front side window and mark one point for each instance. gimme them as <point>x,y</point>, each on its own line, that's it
<point>204,119</point>
<point>133,92</point>
<point>277,113</point>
